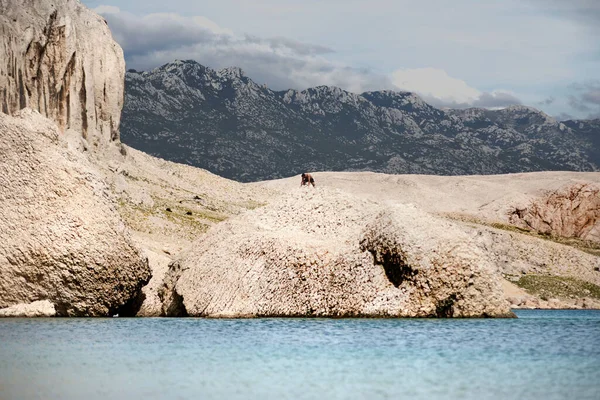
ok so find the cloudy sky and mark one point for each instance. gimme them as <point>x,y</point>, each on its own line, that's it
<point>459,53</point>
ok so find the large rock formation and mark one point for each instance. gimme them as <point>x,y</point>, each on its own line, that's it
<point>61,238</point>
<point>59,58</point>
<point>571,211</point>
<point>479,206</point>
<point>440,267</point>
<point>309,254</point>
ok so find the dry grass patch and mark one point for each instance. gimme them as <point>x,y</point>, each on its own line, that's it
<point>587,246</point>
<point>546,287</point>
<point>580,244</point>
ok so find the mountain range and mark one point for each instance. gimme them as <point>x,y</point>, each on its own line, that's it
<point>223,121</point>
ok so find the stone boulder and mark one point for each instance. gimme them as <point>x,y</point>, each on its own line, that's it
<point>445,273</point>
<point>319,252</point>
<point>572,211</point>
<point>59,58</point>
<point>516,254</point>
<point>61,237</point>
<point>42,308</point>
<point>151,304</point>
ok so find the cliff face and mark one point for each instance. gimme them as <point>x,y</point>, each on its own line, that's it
<point>62,241</point>
<point>59,58</point>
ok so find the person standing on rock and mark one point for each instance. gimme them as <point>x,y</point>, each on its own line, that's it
<point>307,179</point>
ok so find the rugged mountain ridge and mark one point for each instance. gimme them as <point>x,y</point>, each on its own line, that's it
<point>225,122</point>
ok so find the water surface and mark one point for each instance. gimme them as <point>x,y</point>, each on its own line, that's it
<point>542,355</point>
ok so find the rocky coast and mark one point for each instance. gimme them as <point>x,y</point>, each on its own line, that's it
<point>91,227</point>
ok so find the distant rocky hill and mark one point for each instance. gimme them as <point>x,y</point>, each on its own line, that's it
<point>230,125</point>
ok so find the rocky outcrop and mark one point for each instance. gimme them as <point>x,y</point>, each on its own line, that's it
<point>440,267</point>
<point>61,238</point>
<point>42,308</point>
<point>478,205</point>
<point>59,58</point>
<point>309,254</point>
<point>572,211</point>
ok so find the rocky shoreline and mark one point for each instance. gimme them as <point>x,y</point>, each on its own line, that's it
<point>91,227</point>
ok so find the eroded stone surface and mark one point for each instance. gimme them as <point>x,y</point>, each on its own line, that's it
<point>446,274</point>
<point>61,237</point>
<point>151,303</point>
<point>309,254</point>
<point>571,211</point>
<point>59,58</point>
<point>42,308</point>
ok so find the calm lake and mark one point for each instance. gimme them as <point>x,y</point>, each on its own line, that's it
<point>542,355</point>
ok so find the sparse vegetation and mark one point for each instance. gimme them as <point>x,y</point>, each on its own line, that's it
<point>194,220</point>
<point>252,205</point>
<point>185,220</point>
<point>546,287</point>
<point>580,244</point>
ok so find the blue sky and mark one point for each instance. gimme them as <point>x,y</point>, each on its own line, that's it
<point>461,53</point>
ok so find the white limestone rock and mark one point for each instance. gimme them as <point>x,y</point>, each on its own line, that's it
<point>151,303</point>
<point>308,253</point>
<point>59,58</point>
<point>443,270</point>
<point>42,308</point>
<point>61,237</point>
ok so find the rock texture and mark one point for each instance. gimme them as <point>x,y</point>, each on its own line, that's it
<point>59,58</point>
<point>230,125</point>
<point>490,198</point>
<point>147,187</point>
<point>571,211</point>
<point>61,238</point>
<point>516,254</point>
<point>480,206</point>
<point>42,308</point>
<point>151,303</point>
<point>435,262</point>
<point>309,254</point>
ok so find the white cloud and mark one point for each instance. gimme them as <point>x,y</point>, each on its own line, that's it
<point>442,90</point>
<point>432,82</point>
<point>103,9</point>
<point>155,39</point>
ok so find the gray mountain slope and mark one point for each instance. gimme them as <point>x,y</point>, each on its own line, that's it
<point>224,122</point>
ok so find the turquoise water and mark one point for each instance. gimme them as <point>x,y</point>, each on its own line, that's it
<point>541,355</point>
